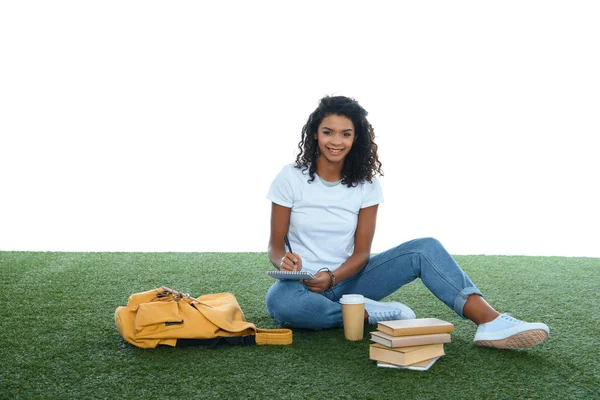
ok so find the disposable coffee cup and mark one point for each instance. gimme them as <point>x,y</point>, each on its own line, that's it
<point>353,315</point>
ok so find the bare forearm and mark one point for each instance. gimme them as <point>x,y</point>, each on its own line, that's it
<point>275,256</point>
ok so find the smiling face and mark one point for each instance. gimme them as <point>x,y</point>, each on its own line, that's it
<point>335,137</point>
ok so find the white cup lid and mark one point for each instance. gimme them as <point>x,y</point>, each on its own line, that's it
<point>352,299</point>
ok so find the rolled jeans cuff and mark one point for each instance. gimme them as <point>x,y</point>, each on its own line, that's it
<point>461,299</point>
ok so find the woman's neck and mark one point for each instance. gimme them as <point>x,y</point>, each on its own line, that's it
<point>328,171</point>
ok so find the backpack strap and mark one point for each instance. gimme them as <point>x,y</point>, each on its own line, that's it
<point>273,336</point>
<point>218,341</point>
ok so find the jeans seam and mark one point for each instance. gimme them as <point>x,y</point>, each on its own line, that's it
<point>439,271</point>
<point>418,252</point>
<point>374,267</point>
<point>421,254</point>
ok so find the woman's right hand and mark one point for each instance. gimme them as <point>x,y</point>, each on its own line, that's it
<point>291,262</point>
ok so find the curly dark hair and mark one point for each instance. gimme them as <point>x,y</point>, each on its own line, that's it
<point>362,162</point>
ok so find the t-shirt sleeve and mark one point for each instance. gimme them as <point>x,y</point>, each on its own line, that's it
<point>282,188</point>
<point>372,193</point>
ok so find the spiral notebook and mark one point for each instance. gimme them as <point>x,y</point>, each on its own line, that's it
<point>293,275</point>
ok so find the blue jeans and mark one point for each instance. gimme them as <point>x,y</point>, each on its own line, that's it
<point>291,304</point>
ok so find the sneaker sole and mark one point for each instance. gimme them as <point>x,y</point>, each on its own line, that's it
<point>521,340</point>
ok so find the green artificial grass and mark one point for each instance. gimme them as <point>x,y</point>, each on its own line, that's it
<point>58,338</point>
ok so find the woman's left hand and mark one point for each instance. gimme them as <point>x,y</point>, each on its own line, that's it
<point>320,283</point>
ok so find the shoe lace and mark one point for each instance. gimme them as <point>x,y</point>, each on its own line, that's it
<point>510,318</point>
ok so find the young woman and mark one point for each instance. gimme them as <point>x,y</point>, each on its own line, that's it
<point>327,205</point>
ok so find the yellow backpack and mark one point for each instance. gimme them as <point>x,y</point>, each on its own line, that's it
<point>167,317</point>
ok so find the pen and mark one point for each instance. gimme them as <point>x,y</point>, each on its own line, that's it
<point>287,243</point>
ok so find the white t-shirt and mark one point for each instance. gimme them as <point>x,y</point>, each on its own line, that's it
<point>324,215</point>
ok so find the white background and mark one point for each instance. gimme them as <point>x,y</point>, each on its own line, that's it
<point>159,126</point>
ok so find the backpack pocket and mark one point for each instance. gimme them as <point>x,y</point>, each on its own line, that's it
<point>157,317</point>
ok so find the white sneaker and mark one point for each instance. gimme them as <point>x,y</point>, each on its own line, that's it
<point>387,311</point>
<point>506,332</point>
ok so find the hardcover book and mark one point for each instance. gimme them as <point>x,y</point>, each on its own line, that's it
<point>404,356</point>
<point>411,327</point>
<point>420,366</point>
<point>405,341</point>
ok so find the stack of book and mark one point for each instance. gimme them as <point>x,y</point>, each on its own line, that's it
<point>409,344</point>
